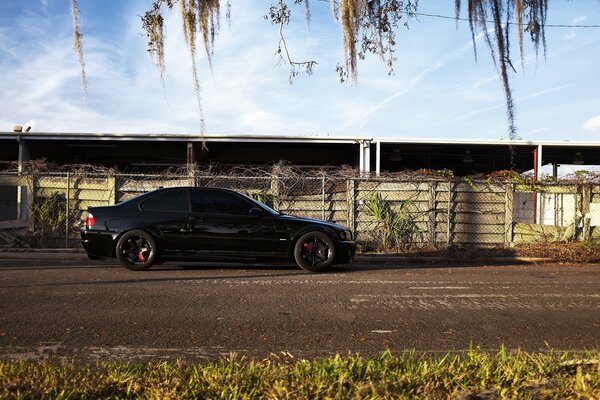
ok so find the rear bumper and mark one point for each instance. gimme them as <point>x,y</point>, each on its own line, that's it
<point>345,252</point>
<point>98,244</point>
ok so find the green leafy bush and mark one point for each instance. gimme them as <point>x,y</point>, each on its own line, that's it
<point>394,226</point>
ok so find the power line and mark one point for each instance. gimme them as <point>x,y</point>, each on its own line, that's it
<point>510,23</point>
<point>419,14</point>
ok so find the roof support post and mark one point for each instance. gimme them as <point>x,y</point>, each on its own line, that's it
<point>189,154</point>
<point>537,166</point>
<point>367,149</point>
<point>378,159</point>
<point>22,204</point>
<point>364,155</point>
<point>539,160</point>
<point>190,160</point>
<point>361,156</point>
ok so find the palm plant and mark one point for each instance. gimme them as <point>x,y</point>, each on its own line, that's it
<point>395,227</point>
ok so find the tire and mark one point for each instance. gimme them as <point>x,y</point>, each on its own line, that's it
<point>314,251</point>
<point>136,250</point>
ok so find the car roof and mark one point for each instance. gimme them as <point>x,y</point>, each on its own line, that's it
<point>144,196</point>
<point>170,188</point>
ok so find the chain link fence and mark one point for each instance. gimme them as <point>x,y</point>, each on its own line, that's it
<point>394,212</point>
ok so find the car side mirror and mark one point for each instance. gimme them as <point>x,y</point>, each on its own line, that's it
<point>256,212</point>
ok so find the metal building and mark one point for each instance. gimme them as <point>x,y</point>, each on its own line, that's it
<point>131,151</point>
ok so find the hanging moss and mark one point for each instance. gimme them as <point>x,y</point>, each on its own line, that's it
<point>78,47</point>
<point>500,14</point>
<point>368,26</point>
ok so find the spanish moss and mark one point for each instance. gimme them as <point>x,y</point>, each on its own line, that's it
<point>197,16</point>
<point>78,48</point>
<point>153,24</point>
<point>367,26</point>
<point>529,16</point>
<point>188,16</point>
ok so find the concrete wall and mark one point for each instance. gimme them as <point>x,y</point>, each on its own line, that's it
<point>8,203</point>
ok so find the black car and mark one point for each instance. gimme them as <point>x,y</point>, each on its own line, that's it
<point>210,224</point>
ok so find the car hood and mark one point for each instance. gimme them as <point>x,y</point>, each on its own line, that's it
<point>313,221</point>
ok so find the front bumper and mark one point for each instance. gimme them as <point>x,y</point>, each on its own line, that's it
<point>345,252</point>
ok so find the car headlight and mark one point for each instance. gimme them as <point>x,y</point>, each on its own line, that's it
<point>346,235</point>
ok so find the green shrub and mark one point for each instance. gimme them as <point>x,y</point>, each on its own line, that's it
<point>394,226</point>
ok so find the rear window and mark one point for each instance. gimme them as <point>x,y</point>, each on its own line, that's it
<point>171,201</point>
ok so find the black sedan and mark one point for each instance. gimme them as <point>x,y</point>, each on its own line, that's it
<point>210,224</point>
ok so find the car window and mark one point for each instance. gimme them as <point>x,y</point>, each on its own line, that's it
<point>218,202</point>
<point>173,201</point>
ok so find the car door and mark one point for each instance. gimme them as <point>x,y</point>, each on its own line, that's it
<point>167,216</point>
<point>222,225</point>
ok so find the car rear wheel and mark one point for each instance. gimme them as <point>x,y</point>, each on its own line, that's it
<point>136,250</point>
<point>314,251</point>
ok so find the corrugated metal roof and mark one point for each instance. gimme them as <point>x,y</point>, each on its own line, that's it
<point>280,138</point>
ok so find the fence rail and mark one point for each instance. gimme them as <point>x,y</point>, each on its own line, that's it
<point>383,212</point>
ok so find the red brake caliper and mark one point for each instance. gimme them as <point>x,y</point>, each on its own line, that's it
<point>141,257</point>
<point>308,246</point>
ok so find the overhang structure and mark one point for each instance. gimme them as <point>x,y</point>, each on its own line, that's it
<point>134,151</point>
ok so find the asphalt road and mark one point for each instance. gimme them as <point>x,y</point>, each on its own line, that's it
<point>67,306</point>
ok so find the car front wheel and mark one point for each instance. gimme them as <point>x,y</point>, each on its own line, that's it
<point>136,250</point>
<point>314,251</point>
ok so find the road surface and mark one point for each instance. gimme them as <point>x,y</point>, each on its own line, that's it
<point>64,305</point>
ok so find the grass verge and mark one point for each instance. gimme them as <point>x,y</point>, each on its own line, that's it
<point>473,374</point>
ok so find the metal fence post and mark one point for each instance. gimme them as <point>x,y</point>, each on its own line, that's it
<point>586,199</point>
<point>577,212</point>
<point>508,214</point>
<point>323,197</point>
<point>67,210</point>
<point>111,186</point>
<point>449,214</point>
<point>32,193</point>
<point>432,213</point>
<point>275,192</point>
<point>351,201</point>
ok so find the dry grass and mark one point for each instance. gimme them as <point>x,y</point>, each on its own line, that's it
<point>469,375</point>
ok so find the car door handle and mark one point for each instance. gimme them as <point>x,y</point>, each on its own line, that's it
<point>194,222</point>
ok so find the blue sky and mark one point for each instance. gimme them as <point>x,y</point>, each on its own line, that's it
<point>438,90</point>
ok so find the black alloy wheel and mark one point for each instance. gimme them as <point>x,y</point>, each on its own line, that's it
<point>314,251</point>
<point>136,250</point>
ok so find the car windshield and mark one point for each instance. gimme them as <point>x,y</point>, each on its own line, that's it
<point>262,206</point>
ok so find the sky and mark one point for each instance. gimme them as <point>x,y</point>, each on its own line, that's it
<point>438,89</point>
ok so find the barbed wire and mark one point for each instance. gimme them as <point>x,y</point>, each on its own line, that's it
<point>289,173</point>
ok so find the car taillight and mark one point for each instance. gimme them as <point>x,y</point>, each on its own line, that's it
<point>90,221</point>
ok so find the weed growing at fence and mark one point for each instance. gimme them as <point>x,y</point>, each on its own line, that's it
<point>395,226</point>
<point>591,245</point>
<point>264,197</point>
<point>49,213</point>
<point>474,374</point>
<point>51,217</point>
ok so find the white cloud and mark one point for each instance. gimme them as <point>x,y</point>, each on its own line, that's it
<point>572,34</point>
<point>544,92</point>
<point>482,82</point>
<point>438,90</point>
<point>262,120</point>
<point>441,62</point>
<point>592,124</point>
